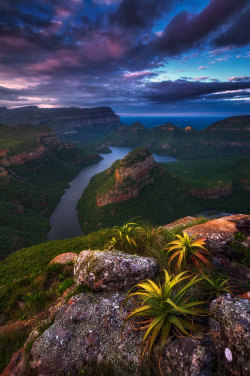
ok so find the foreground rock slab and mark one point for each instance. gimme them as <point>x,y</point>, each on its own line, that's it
<point>86,337</point>
<point>112,270</point>
<point>230,328</point>
<point>218,233</point>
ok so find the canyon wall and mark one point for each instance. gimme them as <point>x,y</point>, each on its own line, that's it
<point>131,177</point>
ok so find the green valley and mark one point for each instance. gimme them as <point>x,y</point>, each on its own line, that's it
<point>35,168</point>
<point>178,189</point>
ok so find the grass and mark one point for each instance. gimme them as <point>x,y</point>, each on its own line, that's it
<point>10,343</point>
<point>30,196</point>
<point>19,270</point>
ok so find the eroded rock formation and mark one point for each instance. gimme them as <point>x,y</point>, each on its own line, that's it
<point>133,174</point>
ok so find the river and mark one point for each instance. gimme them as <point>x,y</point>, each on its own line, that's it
<point>64,221</point>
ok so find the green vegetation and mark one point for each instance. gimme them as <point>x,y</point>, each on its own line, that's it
<point>21,137</point>
<point>10,343</point>
<point>27,271</point>
<point>228,137</point>
<point>188,250</point>
<point>124,236</point>
<point>216,285</point>
<point>168,308</point>
<point>32,191</point>
<point>174,193</point>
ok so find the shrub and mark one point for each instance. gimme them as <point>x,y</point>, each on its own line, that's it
<point>168,311</point>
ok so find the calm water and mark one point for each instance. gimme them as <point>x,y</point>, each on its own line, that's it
<point>64,221</point>
<point>181,121</point>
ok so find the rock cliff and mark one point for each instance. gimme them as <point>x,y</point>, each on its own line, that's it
<point>63,120</point>
<point>44,141</point>
<point>133,174</point>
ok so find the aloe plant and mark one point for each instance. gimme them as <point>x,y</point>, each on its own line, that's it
<point>167,310</point>
<point>216,285</point>
<point>125,236</point>
<point>185,248</point>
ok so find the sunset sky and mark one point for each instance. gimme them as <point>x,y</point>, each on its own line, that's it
<point>136,56</point>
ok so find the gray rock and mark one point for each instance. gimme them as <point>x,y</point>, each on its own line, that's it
<point>187,357</point>
<point>112,270</point>
<point>86,337</point>
<point>230,329</point>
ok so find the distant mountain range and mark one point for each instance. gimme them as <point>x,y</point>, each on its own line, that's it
<point>230,136</point>
<point>63,120</point>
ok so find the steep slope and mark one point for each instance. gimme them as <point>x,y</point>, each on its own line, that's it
<point>175,190</point>
<point>230,136</point>
<point>71,123</point>
<point>35,167</point>
<point>131,175</point>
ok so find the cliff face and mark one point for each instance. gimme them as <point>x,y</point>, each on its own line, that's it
<point>132,175</point>
<point>212,193</point>
<point>45,141</point>
<point>63,120</point>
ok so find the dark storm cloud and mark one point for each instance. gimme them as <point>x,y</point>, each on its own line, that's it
<point>186,30</point>
<point>182,90</point>
<point>238,32</point>
<point>139,13</point>
<point>103,51</point>
<point>8,94</point>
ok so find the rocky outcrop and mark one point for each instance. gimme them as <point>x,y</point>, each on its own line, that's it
<point>187,357</point>
<point>212,193</point>
<point>133,174</point>
<point>65,258</point>
<point>86,337</point>
<point>230,328</point>
<point>24,157</point>
<point>46,141</point>
<point>112,270</point>
<point>219,233</point>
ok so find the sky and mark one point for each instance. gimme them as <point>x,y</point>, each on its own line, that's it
<point>160,57</point>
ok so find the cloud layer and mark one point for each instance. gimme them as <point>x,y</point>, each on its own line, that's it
<point>113,52</point>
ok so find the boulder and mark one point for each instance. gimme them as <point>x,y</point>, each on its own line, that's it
<point>219,233</point>
<point>230,328</point>
<point>112,270</point>
<point>64,258</point>
<point>86,338</point>
<point>187,357</point>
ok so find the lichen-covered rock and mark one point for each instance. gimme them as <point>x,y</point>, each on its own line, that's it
<point>64,258</point>
<point>86,337</point>
<point>187,357</point>
<point>219,233</point>
<point>112,270</point>
<point>230,329</point>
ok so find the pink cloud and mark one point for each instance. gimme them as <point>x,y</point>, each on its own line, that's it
<point>202,67</point>
<point>101,47</point>
<point>137,74</point>
<point>201,78</point>
<point>239,78</point>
